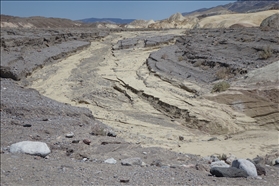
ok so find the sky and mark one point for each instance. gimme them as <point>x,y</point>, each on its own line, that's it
<point>76,10</point>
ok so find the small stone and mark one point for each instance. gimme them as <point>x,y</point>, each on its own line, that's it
<point>27,125</point>
<point>84,159</point>
<point>70,135</point>
<point>143,164</point>
<point>144,153</point>
<point>131,161</point>
<point>110,161</point>
<point>87,141</point>
<point>213,139</point>
<point>69,152</point>
<point>75,141</point>
<point>111,134</point>
<point>157,163</point>
<point>124,180</point>
<point>181,138</point>
<point>219,164</point>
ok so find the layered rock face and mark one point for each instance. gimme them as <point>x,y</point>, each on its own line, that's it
<point>22,54</point>
<point>208,57</point>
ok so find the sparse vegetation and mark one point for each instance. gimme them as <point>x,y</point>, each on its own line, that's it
<point>222,157</point>
<point>266,53</point>
<point>222,73</point>
<point>220,87</point>
<point>98,130</point>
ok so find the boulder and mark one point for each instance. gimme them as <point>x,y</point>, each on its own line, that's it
<point>231,172</point>
<point>219,164</point>
<point>131,161</point>
<point>245,165</point>
<point>30,147</point>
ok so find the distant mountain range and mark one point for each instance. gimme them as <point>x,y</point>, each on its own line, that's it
<point>107,20</point>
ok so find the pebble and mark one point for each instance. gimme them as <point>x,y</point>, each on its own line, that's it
<point>70,135</point>
<point>27,125</point>
<point>124,180</point>
<point>75,141</point>
<point>110,161</point>
<point>213,139</point>
<point>131,161</point>
<point>87,141</point>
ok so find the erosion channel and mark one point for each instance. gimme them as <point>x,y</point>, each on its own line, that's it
<point>116,80</point>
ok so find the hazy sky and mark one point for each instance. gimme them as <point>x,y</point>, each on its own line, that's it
<point>75,10</point>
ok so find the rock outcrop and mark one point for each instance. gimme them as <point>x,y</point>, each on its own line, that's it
<point>175,21</point>
<point>139,24</point>
<point>271,21</point>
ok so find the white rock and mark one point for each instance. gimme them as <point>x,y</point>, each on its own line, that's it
<point>111,161</point>
<point>30,147</point>
<point>246,165</point>
<point>219,164</point>
<point>70,135</point>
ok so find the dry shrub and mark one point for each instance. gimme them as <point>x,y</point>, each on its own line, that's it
<point>222,73</point>
<point>221,86</point>
<point>266,53</point>
<point>98,130</point>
